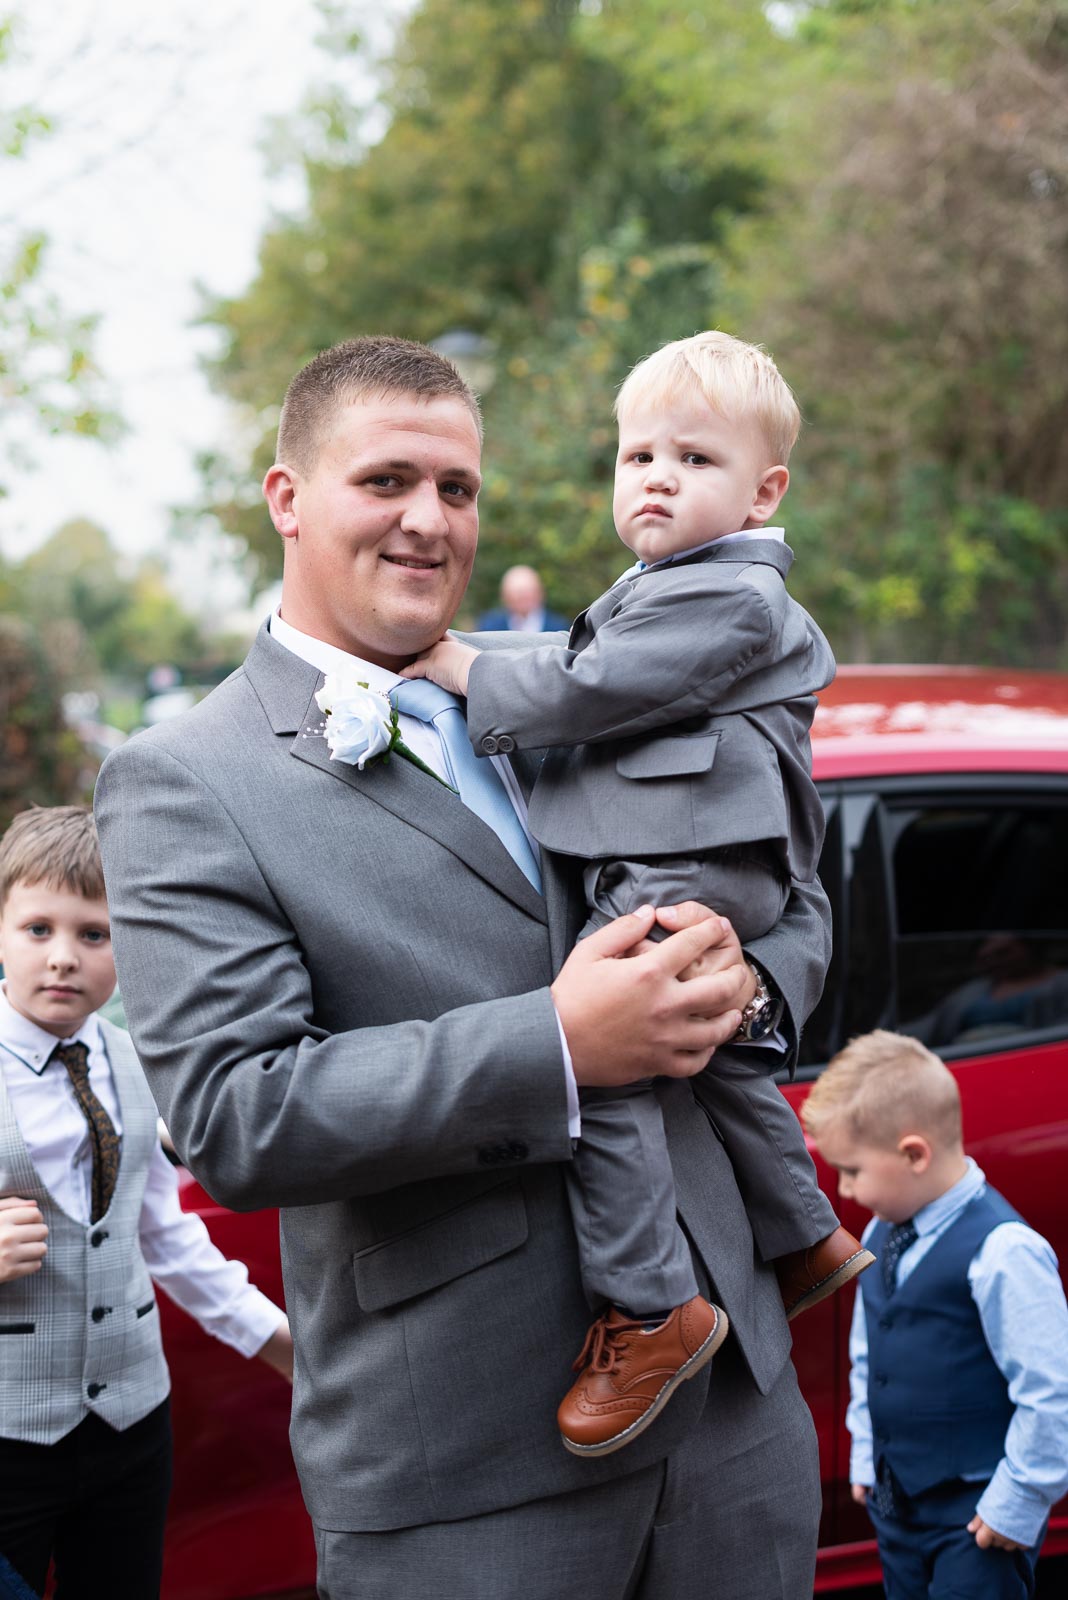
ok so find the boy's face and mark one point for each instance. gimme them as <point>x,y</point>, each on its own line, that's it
<point>878,1177</point>
<point>685,475</point>
<point>55,947</point>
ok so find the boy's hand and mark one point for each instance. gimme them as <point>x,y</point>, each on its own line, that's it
<point>859,1492</point>
<point>446,663</point>
<point>278,1351</point>
<point>630,1019</point>
<point>23,1232</point>
<point>986,1536</point>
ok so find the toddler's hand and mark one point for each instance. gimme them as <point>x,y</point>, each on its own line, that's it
<point>859,1492</point>
<point>23,1232</point>
<point>446,663</point>
<point>986,1536</point>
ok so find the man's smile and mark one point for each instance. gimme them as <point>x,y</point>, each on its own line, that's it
<point>413,563</point>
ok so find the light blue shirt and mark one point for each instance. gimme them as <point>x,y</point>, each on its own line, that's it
<point>1018,1294</point>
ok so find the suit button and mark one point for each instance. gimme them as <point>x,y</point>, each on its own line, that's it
<point>98,1313</point>
<point>96,1239</point>
<point>505,744</point>
<point>94,1389</point>
<point>501,1155</point>
<point>489,745</point>
<point>880,1379</point>
<point>886,1322</point>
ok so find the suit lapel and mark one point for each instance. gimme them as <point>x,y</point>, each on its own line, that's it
<point>286,687</point>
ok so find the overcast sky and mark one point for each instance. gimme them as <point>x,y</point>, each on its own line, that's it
<point>152,182</point>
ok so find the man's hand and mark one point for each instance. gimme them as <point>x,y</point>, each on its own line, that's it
<point>23,1232</point>
<point>630,1019</point>
<point>859,1493</point>
<point>724,957</point>
<point>986,1536</point>
<point>278,1351</point>
<point>446,663</point>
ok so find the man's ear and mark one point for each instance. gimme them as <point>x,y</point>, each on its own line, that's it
<point>280,491</point>
<point>917,1152</point>
<point>770,490</point>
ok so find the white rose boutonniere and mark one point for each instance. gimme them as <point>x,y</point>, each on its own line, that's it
<point>361,724</point>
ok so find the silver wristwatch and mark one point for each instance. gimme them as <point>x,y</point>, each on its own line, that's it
<point>763,1013</point>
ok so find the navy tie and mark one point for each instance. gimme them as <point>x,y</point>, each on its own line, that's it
<point>475,778</point>
<point>898,1240</point>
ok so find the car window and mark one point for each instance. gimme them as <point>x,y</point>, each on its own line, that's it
<point>950,920</point>
<point>981,947</point>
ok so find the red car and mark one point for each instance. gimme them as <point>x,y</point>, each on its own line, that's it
<point>946,862</point>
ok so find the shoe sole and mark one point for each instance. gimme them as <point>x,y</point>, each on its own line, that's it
<point>700,1358</point>
<point>836,1280</point>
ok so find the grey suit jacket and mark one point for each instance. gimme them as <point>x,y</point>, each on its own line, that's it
<point>684,703</point>
<point>337,983</point>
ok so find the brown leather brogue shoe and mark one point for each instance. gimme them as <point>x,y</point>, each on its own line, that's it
<point>628,1375</point>
<point>808,1276</point>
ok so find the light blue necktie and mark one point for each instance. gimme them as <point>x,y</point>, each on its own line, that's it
<point>475,778</point>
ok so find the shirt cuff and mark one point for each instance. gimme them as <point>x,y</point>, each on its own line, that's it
<point>862,1463</point>
<point>574,1117</point>
<point>1012,1509</point>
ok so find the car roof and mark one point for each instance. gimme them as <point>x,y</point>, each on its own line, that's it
<point>876,721</point>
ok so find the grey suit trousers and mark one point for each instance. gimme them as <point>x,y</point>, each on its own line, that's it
<point>632,1252</point>
<point>699,1523</point>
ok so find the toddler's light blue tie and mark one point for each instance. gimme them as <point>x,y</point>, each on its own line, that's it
<point>475,778</point>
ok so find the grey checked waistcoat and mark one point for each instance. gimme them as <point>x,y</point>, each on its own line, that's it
<point>83,1333</point>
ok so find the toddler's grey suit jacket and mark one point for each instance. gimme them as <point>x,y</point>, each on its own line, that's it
<point>337,983</point>
<point>685,702</point>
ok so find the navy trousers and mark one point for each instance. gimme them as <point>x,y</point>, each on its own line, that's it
<point>927,1552</point>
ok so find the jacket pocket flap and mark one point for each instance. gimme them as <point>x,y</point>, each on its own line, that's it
<point>670,757</point>
<point>442,1248</point>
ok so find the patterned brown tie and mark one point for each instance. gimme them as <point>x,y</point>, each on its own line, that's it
<point>102,1135</point>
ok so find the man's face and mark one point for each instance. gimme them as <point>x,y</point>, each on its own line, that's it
<point>381,533</point>
<point>55,946</point>
<point>685,475</point>
<point>879,1178</point>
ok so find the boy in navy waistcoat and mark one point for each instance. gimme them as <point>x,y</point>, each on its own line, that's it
<point>959,1383</point>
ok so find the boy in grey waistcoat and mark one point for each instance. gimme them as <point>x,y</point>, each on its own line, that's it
<point>89,1216</point>
<point>677,720</point>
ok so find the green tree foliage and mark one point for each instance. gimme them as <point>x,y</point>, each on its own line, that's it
<point>48,377</point>
<point>875,189</point>
<point>41,761</point>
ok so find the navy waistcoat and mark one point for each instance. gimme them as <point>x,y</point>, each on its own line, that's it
<point>939,1405</point>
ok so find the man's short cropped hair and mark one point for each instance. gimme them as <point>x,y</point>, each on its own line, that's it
<point>53,845</point>
<point>376,367</point>
<point>883,1086</point>
<point>736,379</point>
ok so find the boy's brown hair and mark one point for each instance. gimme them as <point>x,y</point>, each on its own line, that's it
<point>378,366</point>
<point>53,845</point>
<point>883,1086</point>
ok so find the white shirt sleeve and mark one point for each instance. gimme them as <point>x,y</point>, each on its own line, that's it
<point>1020,1300</point>
<point>858,1418</point>
<point>196,1275</point>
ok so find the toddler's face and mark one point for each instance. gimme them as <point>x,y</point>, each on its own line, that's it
<point>685,475</point>
<point>55,946</point>
<point>878,1178</point>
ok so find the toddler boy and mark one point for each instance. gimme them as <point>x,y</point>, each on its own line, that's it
<point>89,1215</point>
<point>679,718</point>
<point>959,1408</point>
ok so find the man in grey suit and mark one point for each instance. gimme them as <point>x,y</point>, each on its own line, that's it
<point>352,1002</point>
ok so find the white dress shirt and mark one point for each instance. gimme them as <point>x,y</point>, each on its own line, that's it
<point>423,740</point>
<point>1017,1291</point>
<point>176,1246</point>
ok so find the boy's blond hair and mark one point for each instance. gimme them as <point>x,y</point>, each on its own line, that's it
<point>734,378</point>
<point>53,845</point>
<point>883,1086</point>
